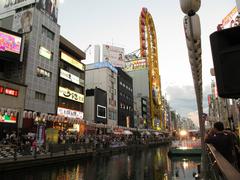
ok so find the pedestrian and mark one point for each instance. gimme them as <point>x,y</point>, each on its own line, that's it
<point>222,141</point>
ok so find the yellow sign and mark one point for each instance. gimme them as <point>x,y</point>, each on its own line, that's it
<point>72,61</point>
<point>68,94</point>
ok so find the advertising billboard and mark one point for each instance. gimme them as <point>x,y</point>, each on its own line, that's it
<point>50,7</point>
<point>22,21</point>
<point>9,5</point>
<point>114,55</point>
<point>230,20</point>
<point>8,117</point>
<point>10,45</point>
<point>135,65</point>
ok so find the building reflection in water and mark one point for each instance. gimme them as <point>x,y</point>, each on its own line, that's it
<point>148,164</point>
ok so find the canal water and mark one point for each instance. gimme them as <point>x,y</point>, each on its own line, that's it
<point>147,164</point>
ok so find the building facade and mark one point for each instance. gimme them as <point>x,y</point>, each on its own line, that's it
<point>125,99</point>
<point>104,76</point>
<point>38,67</point>
<point>96,106</point>
<point>71,81</point>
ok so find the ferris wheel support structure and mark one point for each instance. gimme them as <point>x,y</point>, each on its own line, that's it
<point>149,51</point>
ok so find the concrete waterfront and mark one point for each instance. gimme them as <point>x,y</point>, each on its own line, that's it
<point>70,152</point>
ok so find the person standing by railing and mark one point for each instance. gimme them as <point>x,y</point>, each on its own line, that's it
<point>221,140</point>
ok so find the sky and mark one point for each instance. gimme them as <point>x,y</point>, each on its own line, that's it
<point>116,22</point>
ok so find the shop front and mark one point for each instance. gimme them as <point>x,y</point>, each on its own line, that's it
<point>11,107</point>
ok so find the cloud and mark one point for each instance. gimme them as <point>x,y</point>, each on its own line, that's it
<point>183,100</point>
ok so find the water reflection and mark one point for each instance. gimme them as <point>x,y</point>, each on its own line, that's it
<point>151,164</point>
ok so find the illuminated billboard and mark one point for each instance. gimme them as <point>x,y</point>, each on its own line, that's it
<point>10,45</point>
<point>69,94</point>
<point>8,117</point>
<point>69,113</point>
<point>135,65</point>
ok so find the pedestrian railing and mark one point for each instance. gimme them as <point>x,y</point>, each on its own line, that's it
<point>220,168</point>
<point>51,150</point>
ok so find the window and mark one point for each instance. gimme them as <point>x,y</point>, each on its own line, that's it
<point>40,96</point>
<point>44,73</point>
<point>45,53</point>
<point>47,33</point>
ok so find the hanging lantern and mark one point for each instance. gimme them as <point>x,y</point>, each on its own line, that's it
<point>30,114</point>
<point>190,7</point>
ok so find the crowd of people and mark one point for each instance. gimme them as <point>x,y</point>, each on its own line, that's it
<point>26,143</point>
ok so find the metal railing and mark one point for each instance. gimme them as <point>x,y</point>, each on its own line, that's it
<point>219,167</point>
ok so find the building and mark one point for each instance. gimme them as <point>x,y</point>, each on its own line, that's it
<point>71,81</point>
<point>141,97</point>
<point>96,106</point>
<point>39,64</point>
<point>104,76</point>
<point>125,99</point>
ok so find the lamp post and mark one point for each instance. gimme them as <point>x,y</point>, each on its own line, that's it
<point>193,39</point>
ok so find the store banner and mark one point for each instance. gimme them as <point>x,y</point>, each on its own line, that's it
<point>72,95</point>
<point>69,113</point>
<point>70,77</point>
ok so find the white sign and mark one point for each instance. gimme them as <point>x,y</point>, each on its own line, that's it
<point>69,113</point>
<point>22,21</point>
<point>114,55</point>
<point>9,5</point>
<point>45,53</point>
<point>68,94</point>
<point>70,77</point>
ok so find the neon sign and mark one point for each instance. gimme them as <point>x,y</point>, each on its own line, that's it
<point>8,91</point>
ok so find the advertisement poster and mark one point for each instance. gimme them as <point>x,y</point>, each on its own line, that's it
<point>114,55</point>
<point>10,43</point>
<point>9,5</point>
<point>22,21</point>
<point>135,65</point>
<point>50,7</point>
<point>230,19</point>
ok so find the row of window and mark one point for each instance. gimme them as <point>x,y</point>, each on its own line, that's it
<point>125,86</point>
<point>123,106</point>
<point>125,96</point>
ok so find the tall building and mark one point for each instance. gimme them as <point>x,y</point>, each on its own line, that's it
<point>39,64</point>
<point>125,99</point>
<point>104,76</point>
<point>71,82</point>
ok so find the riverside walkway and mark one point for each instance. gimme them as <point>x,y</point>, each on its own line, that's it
<point>67,152</point>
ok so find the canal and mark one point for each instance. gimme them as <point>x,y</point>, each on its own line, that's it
<point>146,164</point>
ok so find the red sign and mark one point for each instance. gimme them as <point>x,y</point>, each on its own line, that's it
<point>1,89</point>
<point>11,92</point>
